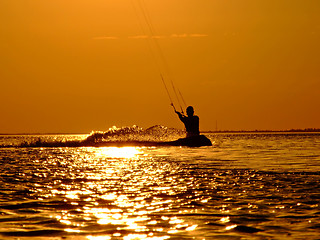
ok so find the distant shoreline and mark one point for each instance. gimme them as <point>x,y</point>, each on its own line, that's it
<point>307,130</point>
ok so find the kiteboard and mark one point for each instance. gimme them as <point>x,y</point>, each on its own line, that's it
<point>194,141</point>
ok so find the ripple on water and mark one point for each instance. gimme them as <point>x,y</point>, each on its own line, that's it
<point>154,193</point>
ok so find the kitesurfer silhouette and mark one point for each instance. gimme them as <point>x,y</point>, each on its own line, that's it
<point>191,122</point>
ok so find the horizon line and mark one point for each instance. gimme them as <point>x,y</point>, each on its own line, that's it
<point>308,130</point>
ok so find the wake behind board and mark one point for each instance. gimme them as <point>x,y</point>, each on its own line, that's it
<point>196,141</point>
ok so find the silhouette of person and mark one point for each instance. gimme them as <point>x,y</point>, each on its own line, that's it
<point>191,122</point>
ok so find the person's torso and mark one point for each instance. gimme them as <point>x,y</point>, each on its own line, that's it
<point>192,124</point>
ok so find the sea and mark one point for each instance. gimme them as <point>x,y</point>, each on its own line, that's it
<point>244,186</point>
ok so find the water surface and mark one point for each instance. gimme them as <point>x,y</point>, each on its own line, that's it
<point>246,186</point>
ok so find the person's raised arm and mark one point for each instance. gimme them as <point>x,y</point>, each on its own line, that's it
<point>180,115</point>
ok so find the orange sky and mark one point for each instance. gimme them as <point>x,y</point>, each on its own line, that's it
<point>79,65</point>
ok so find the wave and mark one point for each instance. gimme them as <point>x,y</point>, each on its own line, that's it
<point>133,135</point>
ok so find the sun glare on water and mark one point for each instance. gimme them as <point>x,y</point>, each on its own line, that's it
<point>123,192</point>
<point>119,152</point>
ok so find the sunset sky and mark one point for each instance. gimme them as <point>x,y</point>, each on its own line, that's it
<point>72,66</point>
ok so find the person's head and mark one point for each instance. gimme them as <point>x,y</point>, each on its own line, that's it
<point>190,111</point>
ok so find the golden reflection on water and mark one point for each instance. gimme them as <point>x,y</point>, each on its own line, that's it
<point>98,237</point>
<point>154,193</point>
<point>115,191</point>
<point>118,152</point>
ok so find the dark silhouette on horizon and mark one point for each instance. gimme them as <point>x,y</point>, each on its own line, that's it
<point>191,122</point>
